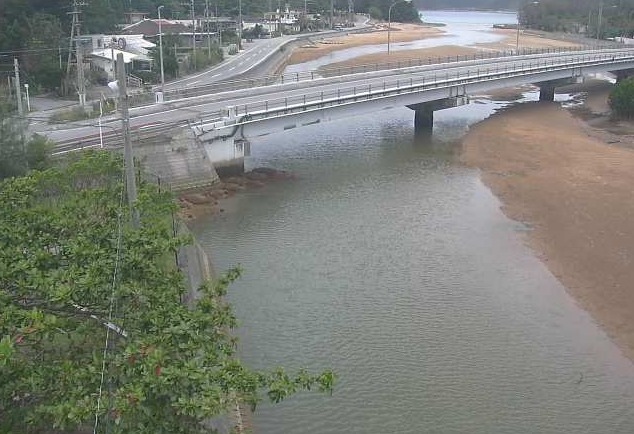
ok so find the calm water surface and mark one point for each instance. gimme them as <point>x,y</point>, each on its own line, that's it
<point>392,264</point>
<point>461,28</point>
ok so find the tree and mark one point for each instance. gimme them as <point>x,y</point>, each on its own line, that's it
<point>18,152</point>
<point>170,62</point>
<point>91,319</point>
<point>621,99</point>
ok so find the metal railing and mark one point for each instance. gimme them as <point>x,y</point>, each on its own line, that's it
<point>253,112</point>
<point>339,71</point>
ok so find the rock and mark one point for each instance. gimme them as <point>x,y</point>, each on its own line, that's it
<point>196,198</point>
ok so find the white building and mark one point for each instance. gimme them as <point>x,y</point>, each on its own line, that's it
<point>105,48</point>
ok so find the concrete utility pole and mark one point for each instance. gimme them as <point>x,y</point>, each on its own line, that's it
<point>160,26</point>
<point>127,146</point>
<point>239,25</point>
<point>218,29</point>
<point>207,24</point>
<point>599,19</point>
<point>74,37</point>
<point>332,14</point>
<point>193,33</point>
<point>18,89</point>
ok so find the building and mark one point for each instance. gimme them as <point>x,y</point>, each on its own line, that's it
<point>103,50</point>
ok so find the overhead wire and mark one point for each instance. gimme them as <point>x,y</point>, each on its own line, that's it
<point>112,303</point>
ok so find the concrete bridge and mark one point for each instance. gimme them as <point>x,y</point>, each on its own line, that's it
<point>424,89</point>
<point>222,123</point>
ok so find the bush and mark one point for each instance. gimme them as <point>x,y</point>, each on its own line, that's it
<point>621,99</point>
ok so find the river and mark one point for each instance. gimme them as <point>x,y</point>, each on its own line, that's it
<point>392,264</point>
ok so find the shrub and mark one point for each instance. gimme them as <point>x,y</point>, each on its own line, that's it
<point>621,99</point>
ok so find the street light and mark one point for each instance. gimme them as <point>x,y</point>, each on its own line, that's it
<point>161,50</point>
<point>389,21</point>
<point>28,100</point>
<point>517,40</point>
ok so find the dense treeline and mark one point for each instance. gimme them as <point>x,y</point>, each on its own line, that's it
<point>467,4</point>
<point>580,16</point>
<point>37,31</point>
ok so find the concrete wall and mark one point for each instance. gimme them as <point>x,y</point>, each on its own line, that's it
<point>177,161</point>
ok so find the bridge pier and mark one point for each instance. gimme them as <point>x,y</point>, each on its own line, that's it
<point>547,88</point>
<point>623,74</point>
<point>424,112</point>
<point>424,120</point>
<point>546,92</point>
<point>227,155</point>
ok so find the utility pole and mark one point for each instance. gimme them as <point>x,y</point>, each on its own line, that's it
<point>75,37</point>
<point>18,89</point>
<point>193,33</point>
<point>218,29</point>
<point>332,14</point>
<point>599,19</point>
<point>239,25</point>
<point>207,24</point>
<point>127,146</point>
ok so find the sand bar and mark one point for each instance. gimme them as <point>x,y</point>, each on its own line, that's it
<point>552,171</point>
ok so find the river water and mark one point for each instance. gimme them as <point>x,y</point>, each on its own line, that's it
<point>392,264</point>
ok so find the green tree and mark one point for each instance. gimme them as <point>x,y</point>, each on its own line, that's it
<point>91,319</point>
<point>621,99</point>
<point>18,152</point>
<point>170,63</point>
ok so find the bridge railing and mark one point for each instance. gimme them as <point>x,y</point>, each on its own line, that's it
<point>253,112</point>
<point>295,77</point>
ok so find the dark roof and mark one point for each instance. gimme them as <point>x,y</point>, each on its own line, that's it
<point>151,28</point>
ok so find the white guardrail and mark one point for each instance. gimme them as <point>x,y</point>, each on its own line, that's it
<point>425,81</point>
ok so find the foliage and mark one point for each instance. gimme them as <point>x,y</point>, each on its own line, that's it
<point>170,62</point>
<point>70,266</point>
<point>579,16</point>
<point>71,115</point>
<point>19,152</point>
<point>621,99</point>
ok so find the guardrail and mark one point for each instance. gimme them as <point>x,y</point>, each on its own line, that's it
<point>271,108</point>
<point>295,77</point>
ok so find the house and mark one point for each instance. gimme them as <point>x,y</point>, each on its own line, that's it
<point>103,51</point>
<point>135,17</point>
<point>150,28</point>
<point>285,22</point>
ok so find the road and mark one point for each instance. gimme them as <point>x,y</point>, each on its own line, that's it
<point>249,100</point>
<point>254,54</point>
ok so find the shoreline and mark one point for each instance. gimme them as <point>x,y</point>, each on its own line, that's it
<point>569,182</point>
<point>567,173</point>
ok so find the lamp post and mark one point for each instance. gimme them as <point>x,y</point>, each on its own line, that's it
<point>517,38</point>
<point>389,21</point>
<point>28,100</point>
<point>161,50</point>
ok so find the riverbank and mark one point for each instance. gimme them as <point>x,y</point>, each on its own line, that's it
<point>399,33</point>
<point>572,184</point>
<point>213,200</point>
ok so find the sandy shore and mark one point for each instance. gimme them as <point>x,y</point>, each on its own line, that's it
<point>412,32</point>
<point>574,186</point>
<point>399,33</point>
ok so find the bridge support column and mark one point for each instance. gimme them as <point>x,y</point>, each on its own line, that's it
<point>424,112</point>
<point>227,155</point>
<point>546,92</point>
<point>424,120</point>
<point>623,74</point>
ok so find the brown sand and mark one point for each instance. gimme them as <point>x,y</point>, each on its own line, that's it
<point>527,40</point>
<point>577,192</point>
<point>419,56</point>
<point>399,33</point>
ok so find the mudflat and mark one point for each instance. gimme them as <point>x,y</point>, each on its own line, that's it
<point>574,185</point>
